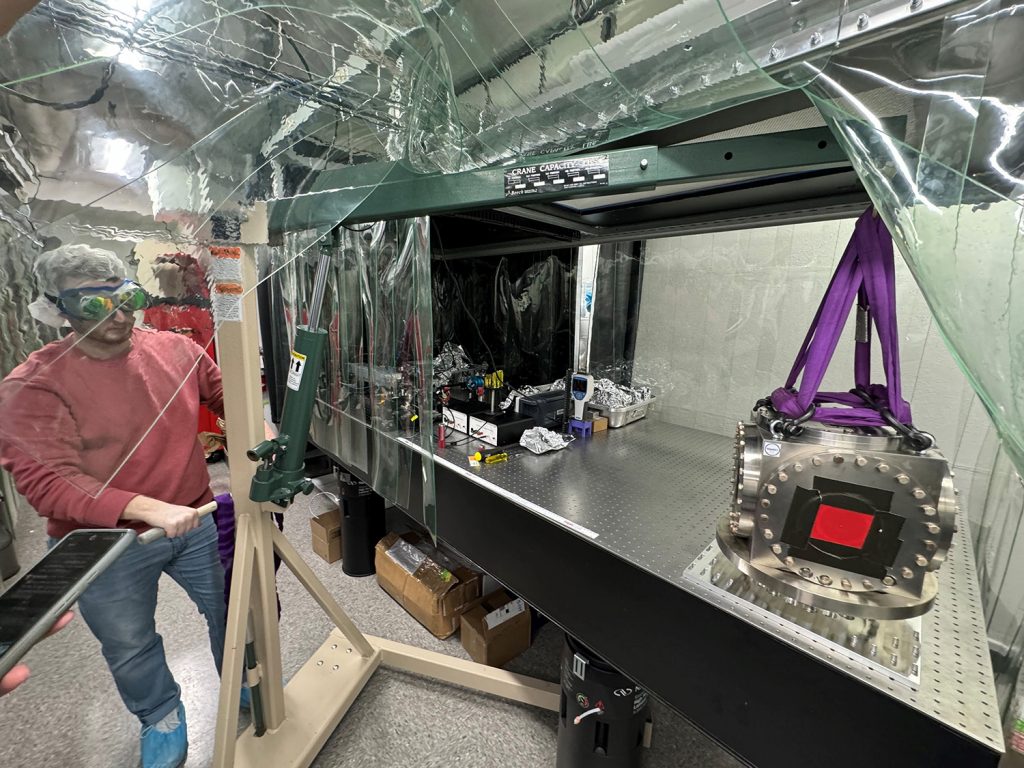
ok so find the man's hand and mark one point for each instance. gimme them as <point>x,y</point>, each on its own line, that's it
<point>175,520</point>
<point>19,672</point>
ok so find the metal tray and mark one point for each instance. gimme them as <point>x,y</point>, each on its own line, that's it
<point>620,417</point>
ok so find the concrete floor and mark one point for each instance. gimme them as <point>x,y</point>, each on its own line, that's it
<point>69,713</point>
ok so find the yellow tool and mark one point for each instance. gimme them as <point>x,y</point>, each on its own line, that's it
<point>490,458</point>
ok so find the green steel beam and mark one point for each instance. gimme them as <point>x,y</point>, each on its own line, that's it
<point>374,191</point>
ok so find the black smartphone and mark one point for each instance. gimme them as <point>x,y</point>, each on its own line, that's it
<point>35,601</point>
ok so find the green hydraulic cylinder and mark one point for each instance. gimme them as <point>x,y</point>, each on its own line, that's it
<point>281,474</point>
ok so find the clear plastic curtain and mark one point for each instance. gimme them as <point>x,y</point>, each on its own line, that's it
<point>1000,560</point>
<point>392,260</point>
<point>947,185</point>
<point>159,127</point>
<point>617,297</point>
<point>135,120</point>
<point>373,407</point>
<point>947,180</point>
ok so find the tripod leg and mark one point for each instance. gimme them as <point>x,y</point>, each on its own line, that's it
<point>319,592</point>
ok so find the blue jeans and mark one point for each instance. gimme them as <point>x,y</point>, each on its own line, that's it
<point>120,609</point>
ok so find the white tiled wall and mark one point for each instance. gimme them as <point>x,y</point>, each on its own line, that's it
<point>722,316</point>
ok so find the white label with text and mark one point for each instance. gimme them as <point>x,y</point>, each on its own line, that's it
<point>295,368</point>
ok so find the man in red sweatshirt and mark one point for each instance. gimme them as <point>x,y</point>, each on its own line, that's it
<point>98,431</point>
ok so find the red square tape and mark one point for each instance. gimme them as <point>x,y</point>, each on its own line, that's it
<point>841,526</point>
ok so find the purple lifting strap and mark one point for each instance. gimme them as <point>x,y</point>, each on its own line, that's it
<point>224,517</point>
<point>867,273</point>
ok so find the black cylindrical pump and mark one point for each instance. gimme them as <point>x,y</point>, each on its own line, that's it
<point>604,717</point>
<point>362,525</point>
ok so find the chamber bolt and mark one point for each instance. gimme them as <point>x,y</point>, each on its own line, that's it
<point>816,461</point>
<point>921,560</point>
<point>837,459</point>
<point>789,561</point>
<point>919,493</point>
<point>845,584</point>
<point>930,545</point>
<point>783,476</point>
<point>643,164</point>
<point>861,461</point>
<point>765,503</point>
<point>888,581</point>
<point>771,489</point>
<point>769,534</point>
<point>777,549</point>
<point>883,468</point>
<point>774,53</point>
<point>916,4</point>
<point>862,21</point>
<point>929,511</point>
<point>867,584</point>
<point>933,528</point>
<point>816,39</point>
<point>798,467</point>
<point>806,572</point>
<point>902,479</point>
<point>825,579</point>
<point>906,573</point>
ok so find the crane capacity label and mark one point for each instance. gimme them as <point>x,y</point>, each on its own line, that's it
<point>545,178</point>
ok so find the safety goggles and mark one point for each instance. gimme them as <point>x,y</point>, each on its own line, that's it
<point>100,302</point>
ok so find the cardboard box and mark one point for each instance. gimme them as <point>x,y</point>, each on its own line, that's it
<point>496,629</point>
<point>432,587</point>
<point>326,530</point>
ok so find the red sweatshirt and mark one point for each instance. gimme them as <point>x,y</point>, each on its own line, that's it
<point>70,423</point>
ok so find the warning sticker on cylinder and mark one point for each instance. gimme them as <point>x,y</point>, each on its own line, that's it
<point>556,176</point>
<point>295,367</point>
